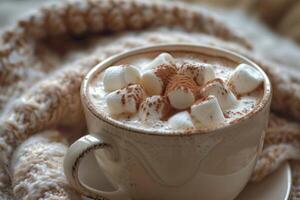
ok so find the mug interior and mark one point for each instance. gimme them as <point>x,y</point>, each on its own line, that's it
<point>171,48</point>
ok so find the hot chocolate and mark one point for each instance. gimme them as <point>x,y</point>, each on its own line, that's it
<point>178,91</point>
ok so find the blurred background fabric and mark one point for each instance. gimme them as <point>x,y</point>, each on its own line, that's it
<point>282,16</point>
<point>263,22</point>
<point>271,29</point>
<point>11,10</point>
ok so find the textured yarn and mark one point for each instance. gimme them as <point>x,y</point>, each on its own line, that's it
<point>44,58</point>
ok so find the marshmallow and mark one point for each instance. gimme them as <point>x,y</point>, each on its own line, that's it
<point>201,73</point>
<point>155,80</point>
<point>154,108</point>
<point>131,75</point>
<point>218,89</point>
<point>245,79</point>
<point>117,77</point>
<point>163,58</point>
<point>152,83</point>
<point>126,100</point>
<point>181,91</point>
<point>113,78</point>
<point>208,112</point>
<point>181,120</point>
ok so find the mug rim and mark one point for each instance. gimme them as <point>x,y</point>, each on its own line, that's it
<point>173,47</point>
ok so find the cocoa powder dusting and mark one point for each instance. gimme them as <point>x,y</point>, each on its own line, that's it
<point>167,110</point>
<point>191,69</point>
<point>160,105</point>
<point>216,80</point>
<point>201,99</point>
<point>165,72</point>
<point>135,92</point>
<point>183,82</point>
<point>123,101</point>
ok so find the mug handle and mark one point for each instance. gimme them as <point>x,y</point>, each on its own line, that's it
<point>75,154</point>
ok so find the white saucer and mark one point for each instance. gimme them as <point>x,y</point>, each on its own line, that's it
<point>276,187</point>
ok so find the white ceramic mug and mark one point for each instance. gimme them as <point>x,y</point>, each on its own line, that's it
<point>140,164</point>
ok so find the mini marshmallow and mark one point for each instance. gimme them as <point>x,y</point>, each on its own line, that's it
<point>113,78</point>
<point>163,58</point>
<point>152,83</point>
<point>154,108</point>
<point>126,100</point>
<point>245,79</point>
<point>208,112</point>
<point>180,98</point>
<point>201,73</point>
<point>117,77</point>
<point>155,80</point>
<point>131,75</point>
<point>181,120</point>
<point>218,89</point>
<point>181,92</point>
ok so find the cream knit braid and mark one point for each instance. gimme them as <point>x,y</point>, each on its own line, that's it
<point>47,84</point>
<point>37,169</point>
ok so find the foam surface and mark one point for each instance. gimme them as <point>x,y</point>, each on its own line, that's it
<point>222,69</point>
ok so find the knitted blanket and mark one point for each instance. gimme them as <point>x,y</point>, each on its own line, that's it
<point>44,58</point>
